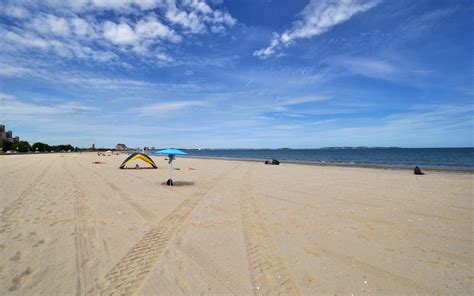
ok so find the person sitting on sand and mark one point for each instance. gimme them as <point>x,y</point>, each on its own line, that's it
<point>418,171</point>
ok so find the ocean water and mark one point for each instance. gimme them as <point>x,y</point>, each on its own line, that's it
<point>450,158</point>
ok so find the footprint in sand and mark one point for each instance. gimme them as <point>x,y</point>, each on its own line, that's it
<point>16,257</point>
<point>18,280</point>
<point>40,242</point>
<point>310,280</point>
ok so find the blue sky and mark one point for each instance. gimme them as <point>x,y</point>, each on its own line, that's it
<point>235,74</point>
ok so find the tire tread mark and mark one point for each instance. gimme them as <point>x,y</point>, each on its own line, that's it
<point>405,282</point>
<point>232,280</point>
<point>130,272</point>
<point>269,272</point>
<point>86,238</point>
<point>123,195</point>
<point>17,169</point>
<point>7,213</point>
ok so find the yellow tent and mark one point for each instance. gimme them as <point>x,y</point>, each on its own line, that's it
<point>141,156</point>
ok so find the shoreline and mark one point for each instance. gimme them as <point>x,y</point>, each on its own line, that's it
<point>453,169</point>
<point>345,165</point>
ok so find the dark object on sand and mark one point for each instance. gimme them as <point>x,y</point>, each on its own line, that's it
<point>418,171</point>
<point>272,162</point>
<point>98,162</point>
<point>169,182</point>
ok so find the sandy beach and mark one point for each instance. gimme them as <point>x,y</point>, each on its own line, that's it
<point>71,227</point>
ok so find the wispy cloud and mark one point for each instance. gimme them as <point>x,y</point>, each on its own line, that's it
<point>162,108</point>
<point>316,18</point>
<point>14,108</point>
<point>303,100</point>
<point>370,67</point>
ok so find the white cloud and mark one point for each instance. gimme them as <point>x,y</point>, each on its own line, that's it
<point>27,40</point>
<point>171,106</point>
<point>193,15</point>
<point>16,11</point>
<point>316,18</point>
<point>81,27</point>
<point>164,57</point>
<point>70,48</point>
<point>187,20</point>
<point>7,70</point>
<point>51,24</point>
<point>152,28</point>
<point>124,4</point>
<point>119,33</point>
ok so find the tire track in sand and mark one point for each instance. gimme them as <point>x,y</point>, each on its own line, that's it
<point>125,197</point>
<point>127,276</point>
<point>231,279</point>
<point>17,168</point>
<point>7,214</point>
<point>268,269</point>
<point>86,241</point>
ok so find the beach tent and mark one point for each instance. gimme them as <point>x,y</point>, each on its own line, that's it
<point>171,155</point>
<point>108,153</point>
<point>141,156</point>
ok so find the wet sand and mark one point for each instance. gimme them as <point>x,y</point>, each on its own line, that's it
<point>68,226</point>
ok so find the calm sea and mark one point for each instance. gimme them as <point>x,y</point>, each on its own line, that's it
<point>452,158</point>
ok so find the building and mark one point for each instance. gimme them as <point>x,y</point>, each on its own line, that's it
<point>6,137</point>
<point>121,147</point>
<point>3,135</point>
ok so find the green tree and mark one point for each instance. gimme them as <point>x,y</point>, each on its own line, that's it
<point>59,148</point>
<point>7,146</point>
<point>22,146</point>
<point>41,147</point>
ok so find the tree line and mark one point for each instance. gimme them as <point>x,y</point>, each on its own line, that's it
<point>24,146</point>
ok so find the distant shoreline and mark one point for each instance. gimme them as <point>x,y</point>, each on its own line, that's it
<point>350,165</point>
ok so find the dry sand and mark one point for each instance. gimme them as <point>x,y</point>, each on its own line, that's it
<point>71,227</point>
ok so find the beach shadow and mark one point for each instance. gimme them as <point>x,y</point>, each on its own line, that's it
<point>179,183</point>
<point>147,168</point>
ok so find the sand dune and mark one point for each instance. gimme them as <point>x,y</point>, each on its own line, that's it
<point>68,226</point>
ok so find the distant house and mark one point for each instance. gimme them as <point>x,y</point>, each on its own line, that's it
<point>121,147</point>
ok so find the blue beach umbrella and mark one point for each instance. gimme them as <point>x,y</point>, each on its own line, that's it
<point>171,156</point>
